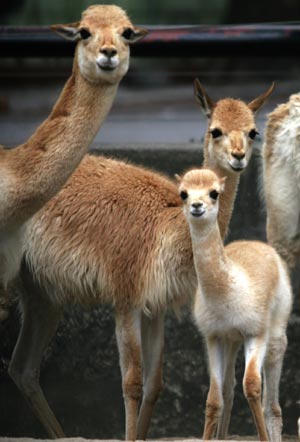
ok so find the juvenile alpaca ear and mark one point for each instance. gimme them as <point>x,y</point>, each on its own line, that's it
<point>177,177</point>
<point>206,104</point>
<point>256,104</point>
<point>69,31</point>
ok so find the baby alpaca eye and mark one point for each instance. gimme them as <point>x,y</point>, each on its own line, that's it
<point>84,34</point>
<point>183,195</point>
<point>216,133</point>
<point>128,33</point>
<point>214,194</point>
<point>252,134</point>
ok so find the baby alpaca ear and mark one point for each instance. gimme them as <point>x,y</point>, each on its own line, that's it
<point>69,31</point>
<point>177,177</point>
<point>222,184</point>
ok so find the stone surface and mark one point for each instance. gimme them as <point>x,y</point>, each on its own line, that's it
<point>80,372</point>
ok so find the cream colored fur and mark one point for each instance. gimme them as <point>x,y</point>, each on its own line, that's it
<point>282,179</point>
<point>116,233</point>
<point>244,296</point>
<point>33,172</point>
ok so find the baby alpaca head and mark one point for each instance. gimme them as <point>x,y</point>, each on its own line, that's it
<point>199,190</point>
<point>104,34</point>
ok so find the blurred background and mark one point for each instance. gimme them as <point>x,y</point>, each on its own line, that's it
<point>155,122</point>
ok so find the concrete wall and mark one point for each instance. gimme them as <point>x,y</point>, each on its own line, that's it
<point>80,373</point>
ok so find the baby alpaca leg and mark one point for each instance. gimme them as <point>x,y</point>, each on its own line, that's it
<point>255,349</point>
<point>214,402</point>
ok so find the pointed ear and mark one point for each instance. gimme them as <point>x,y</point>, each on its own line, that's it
<point>177,177</point>
<point>131,35</point>
<point>222,184</point>
<point>256,104</point>
<point>69,31</point>
<point>206,104</point>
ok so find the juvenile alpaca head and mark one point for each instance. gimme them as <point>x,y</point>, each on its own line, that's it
<point>104,34</point>
<point>199,190</point>
<point>231,129</point>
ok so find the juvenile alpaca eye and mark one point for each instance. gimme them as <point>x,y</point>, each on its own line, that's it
<point>214,194</point>
<point>183,195</point>
<point>84,34</point>
<point>216,133</point>
<point>252,134</point>
<point>128,33</point>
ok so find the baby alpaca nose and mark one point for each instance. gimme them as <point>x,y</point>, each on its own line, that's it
<point>197,205</point>
<point>108,51</point>
<point>238,155</point>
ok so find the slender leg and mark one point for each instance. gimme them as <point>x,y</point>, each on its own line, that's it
<point>152,348</point>
<point>230,350</point>
<point>255,349</point>
<point>272,373</point>
<point>40,320</point>
<point>128,332</point>
<point>214,402</point>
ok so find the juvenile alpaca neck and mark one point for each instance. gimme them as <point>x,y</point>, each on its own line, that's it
<point>227,198</point>
<point>211,263</point>
<point>56,148</point>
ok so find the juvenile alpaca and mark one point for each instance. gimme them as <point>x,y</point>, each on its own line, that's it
<point>116,233</point>
<point>243,296</point>
<point>282,179</point>
<point>32,173</point>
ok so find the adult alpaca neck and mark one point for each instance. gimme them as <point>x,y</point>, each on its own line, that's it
<point>52,153</point>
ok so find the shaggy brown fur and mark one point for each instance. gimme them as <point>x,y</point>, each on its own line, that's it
<point>116,233</point>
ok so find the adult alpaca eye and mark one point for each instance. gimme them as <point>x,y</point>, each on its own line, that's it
<point>214,194</point>
<point>183,195</point>
<point>84,34</point>
<point>216,133</point>
<point>252,134</point>
<point>128,33</point>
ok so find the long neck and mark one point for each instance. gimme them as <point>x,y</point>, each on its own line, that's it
<point>44,163</point>
<point>210,261</point>
<point>227,198</point>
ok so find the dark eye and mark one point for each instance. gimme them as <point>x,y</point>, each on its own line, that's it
<point>183,195</point>
<point>214,194</point>
<point>216,133</point>
<point>84,34</point>
<point>252,134</point>
<point>128,33</point>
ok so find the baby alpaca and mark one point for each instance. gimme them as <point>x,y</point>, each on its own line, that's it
<point>243,296</point>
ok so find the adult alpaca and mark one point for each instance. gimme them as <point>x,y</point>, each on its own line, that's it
<point>282,179</point>
<point>31,174</point>
<point>243,296</point>
<point>114,234</point>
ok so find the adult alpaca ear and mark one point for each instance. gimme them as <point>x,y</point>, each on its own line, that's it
<point>68,31</point>
<point>206,104</point>
<point>256,104</point>
<point>131,35</point>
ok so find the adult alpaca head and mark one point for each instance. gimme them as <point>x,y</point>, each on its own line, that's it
<point>104,34</point>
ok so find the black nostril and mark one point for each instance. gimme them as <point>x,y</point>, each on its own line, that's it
<point>238,155</point>
<point>108,52</point>
<point>197,205</point>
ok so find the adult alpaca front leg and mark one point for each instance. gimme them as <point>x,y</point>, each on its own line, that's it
<point>152,348</point>
<point>34,338</point>
<point>128,326</point>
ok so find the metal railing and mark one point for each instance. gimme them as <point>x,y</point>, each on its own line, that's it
<point>169,41</point>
